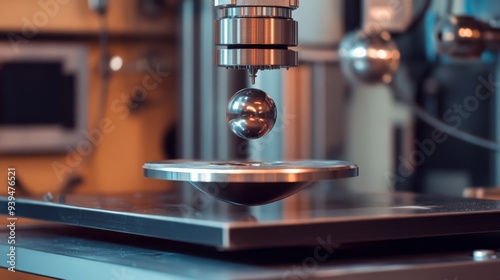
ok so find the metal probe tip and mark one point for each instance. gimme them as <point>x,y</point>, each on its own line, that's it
<point>253,74</point>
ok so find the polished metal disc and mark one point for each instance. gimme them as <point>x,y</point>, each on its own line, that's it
<point>250,172</point>
<point>250,183</point>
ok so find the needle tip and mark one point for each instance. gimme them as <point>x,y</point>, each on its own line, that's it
<point>253,75</point>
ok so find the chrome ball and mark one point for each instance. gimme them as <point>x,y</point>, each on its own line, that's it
<point>369,58</point>
<point>460,36</point>
<point>251,113</point>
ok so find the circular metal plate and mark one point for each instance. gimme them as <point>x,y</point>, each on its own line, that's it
<point>250,172</point>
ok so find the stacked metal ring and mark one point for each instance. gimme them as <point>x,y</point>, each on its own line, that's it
<point>256,36</point>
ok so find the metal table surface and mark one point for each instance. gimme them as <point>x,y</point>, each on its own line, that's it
<point>67,252</point>
<point>346,219</point>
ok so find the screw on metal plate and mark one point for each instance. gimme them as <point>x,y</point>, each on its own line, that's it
<point>48,197</point>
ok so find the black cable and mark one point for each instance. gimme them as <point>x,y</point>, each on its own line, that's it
<point>452,131</point>
<point>431,120</point>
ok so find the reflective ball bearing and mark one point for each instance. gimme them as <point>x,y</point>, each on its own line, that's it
<point>369,58</point>
<point>251,113</point>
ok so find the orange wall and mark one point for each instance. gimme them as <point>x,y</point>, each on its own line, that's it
<point>115,165</point>
<point>5,274</point>
<point>75,16</point>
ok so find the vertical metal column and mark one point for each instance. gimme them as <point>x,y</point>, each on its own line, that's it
<point>206,88</point>
<point>207,81</point>
<point>496,112</point>
<point>188,76</point>
<point>205,92</point>
<point>319,101</point>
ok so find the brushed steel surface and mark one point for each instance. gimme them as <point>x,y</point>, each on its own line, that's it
<point>250,172</point>
<point>265,24</point>
<point>261,59</point>
<point>359,218</point>
<point>250,183</point>
<point>270,3</point>
<point>68,253</point>
<point>256,11</point>
<point>256,31</point>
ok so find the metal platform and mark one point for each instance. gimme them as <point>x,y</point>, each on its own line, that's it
<point>344,219</point>
<point>75,253</point>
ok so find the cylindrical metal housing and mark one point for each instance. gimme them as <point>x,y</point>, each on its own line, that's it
<point>256,34</point>
<point>270,32</point>
<point>265,59</point>
<point>265,3</point>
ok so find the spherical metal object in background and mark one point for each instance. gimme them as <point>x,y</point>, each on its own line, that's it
<point>461,36</point>
<point>369,58</point>
<point>251,113</point>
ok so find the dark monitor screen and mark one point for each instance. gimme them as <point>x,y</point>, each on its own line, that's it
<point>36,93</point>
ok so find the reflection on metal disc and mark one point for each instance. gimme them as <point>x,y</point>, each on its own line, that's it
<point>247,182</point>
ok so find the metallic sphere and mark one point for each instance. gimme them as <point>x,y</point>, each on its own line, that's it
<point>251,113</point>
<point>461,36</point>
<point>369,58</point>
